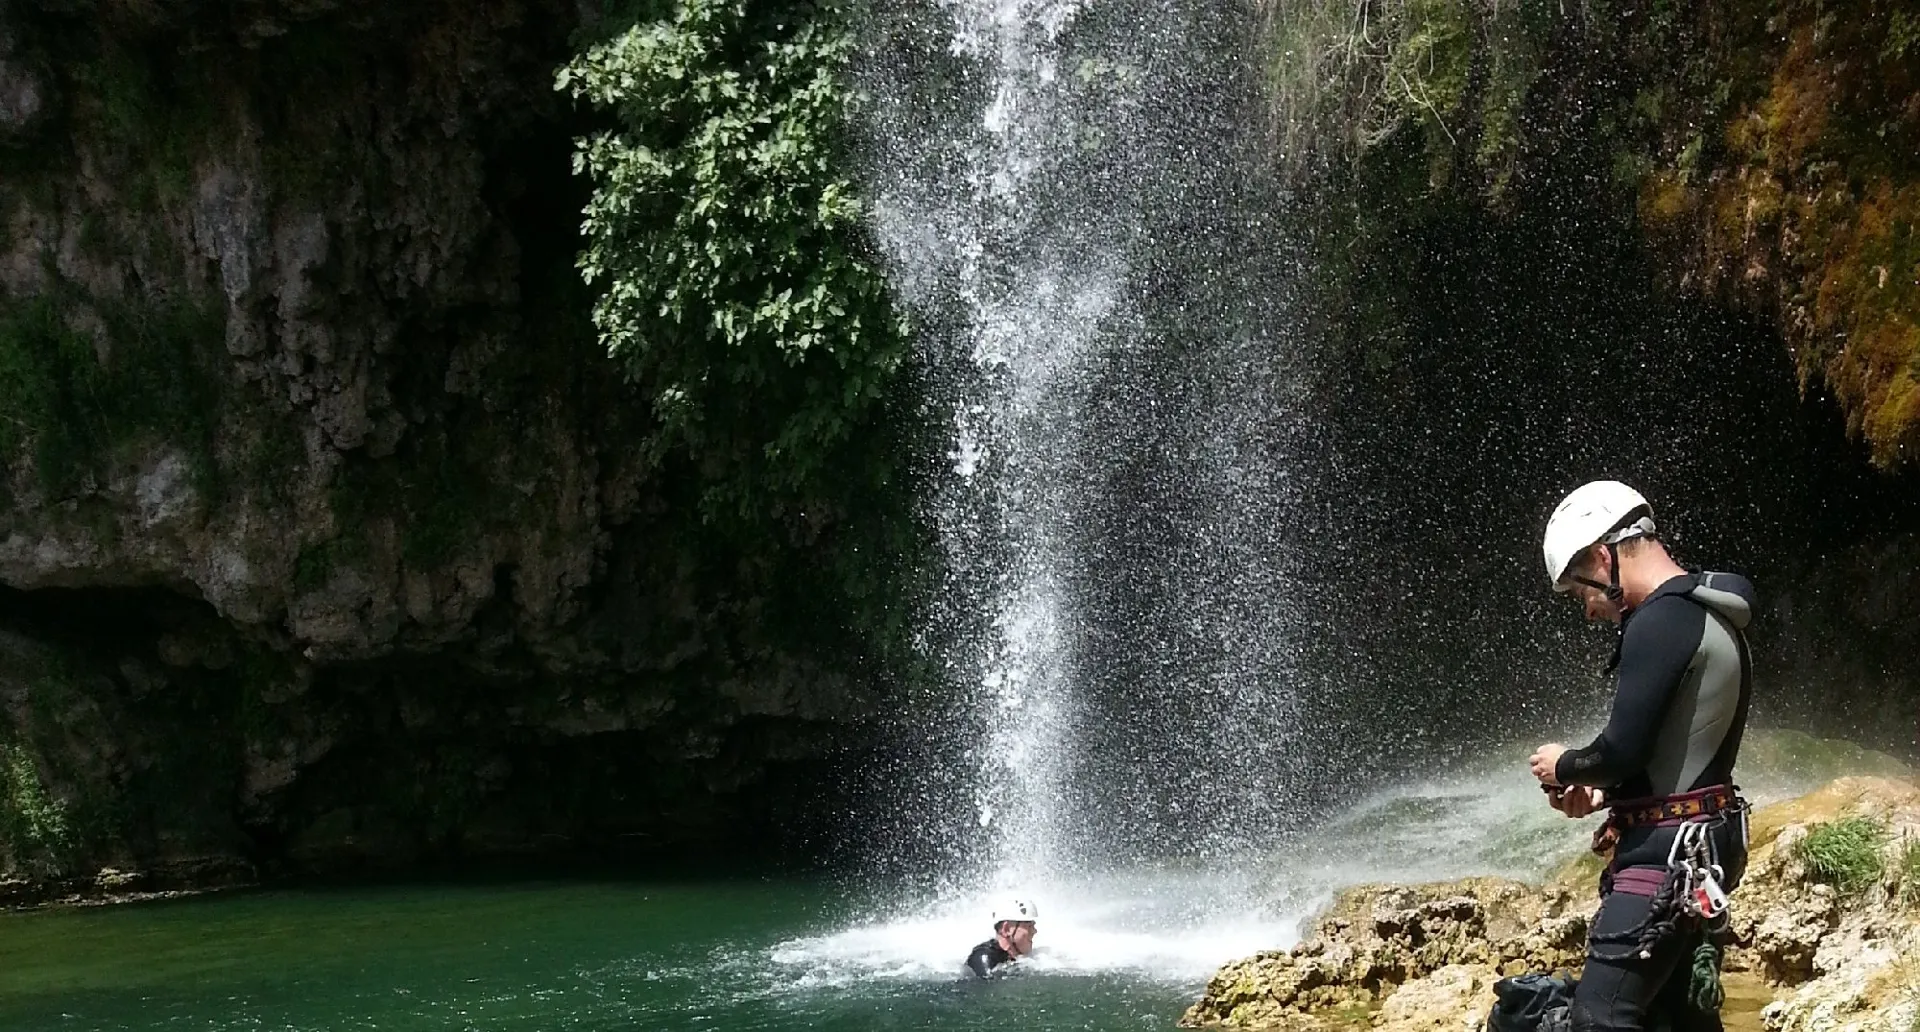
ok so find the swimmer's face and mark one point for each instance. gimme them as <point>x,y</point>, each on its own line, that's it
<point>1016,937</point>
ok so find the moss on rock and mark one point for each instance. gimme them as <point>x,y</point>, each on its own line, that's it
<point>1771,150</point>
<point>80,380</point>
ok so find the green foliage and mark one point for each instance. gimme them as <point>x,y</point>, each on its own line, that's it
<point>1346,78</point>
<point>313,566</point>
<point>272,453</point>
<point>1428,72</point>
<point>301,73</point>
<point>316,562</point>
<point>34,824</point>
<point>40,831</point>
<point>728,247</point>
<point>447,501</point>
<point>34,348</point>
<point>436,490</point>
<point>72,406</point>
<point>433,535</point>
<point>1845,853</point>
<point>735,293</point>
<point>1902,35</point>
<point>1513,67</point>
<point>153,117</point>
<point>1908,868</point>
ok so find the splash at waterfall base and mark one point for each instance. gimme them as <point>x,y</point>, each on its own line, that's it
<point>1808,955</point>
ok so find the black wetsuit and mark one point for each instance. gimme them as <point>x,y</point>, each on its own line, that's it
<point>1686,679</point>
<point>987,957</point>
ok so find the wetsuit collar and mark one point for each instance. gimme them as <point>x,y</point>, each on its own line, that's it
<point>1678,584</point>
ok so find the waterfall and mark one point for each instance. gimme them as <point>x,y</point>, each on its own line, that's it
<point>1055,188</point>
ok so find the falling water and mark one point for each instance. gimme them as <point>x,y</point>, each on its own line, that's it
<point>1032,299</point>
<point>1178,708</point>
<point>1054,190</point>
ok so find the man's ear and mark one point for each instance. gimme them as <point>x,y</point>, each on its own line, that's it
<point>1592,563</point>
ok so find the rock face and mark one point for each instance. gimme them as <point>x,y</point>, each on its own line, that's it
<point>1794,215</point>
<point>1415,955</point>
<point>1426,956</point>
<point>296,289</point>
<point>1532,214</point>
<point>329,530</point>
<point>1764,147</point>
<point>1837,958</point>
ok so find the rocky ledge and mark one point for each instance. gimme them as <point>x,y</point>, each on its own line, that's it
<point>1826,935</point>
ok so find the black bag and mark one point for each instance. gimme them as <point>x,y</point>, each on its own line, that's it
<point>1531,1003</point>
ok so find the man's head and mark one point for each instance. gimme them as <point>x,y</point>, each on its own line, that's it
<point>1597,568</point>
<point>1597,539</point>
<point>1014,925</point>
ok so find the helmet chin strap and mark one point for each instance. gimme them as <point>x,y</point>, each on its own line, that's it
<point>1614,594</point>
<point>1611,590</point>
<point>1619,600</point>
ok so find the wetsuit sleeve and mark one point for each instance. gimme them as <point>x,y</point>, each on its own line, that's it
<point>979,961</point>
<point>1661,641</point>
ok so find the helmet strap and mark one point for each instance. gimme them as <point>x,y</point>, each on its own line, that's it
<point>1614,594</point>
<point>1611,589</point>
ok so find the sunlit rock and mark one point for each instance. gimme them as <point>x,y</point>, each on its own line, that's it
<point>1806,956</point>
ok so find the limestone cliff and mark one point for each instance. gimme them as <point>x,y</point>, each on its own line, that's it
<point>327,533</point>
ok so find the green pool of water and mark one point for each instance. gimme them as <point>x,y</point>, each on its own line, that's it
<point>586,957</point>
<point>1121,949</point>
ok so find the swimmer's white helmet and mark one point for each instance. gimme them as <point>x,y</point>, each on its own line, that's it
<point>1015,910</point>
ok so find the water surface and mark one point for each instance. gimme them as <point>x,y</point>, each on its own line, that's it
<point>1122,948</point>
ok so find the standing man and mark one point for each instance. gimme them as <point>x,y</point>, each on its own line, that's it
<point>1663,765</point>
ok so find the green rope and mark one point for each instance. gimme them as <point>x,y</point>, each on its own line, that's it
<point>1704,992</point>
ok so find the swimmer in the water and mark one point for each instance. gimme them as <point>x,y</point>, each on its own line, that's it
<point>1013,928</point>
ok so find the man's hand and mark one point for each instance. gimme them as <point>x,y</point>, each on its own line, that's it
<point>1579,800</point>
<point>1543,761</point>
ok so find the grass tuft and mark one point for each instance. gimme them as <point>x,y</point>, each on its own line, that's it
<point>1909,871</point>
<point>1846,853</point>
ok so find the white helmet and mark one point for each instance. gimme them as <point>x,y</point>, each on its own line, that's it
<point>1600,512</point>
<point>1015,910</point>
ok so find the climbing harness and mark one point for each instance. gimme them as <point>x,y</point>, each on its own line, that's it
<point>1666,811</point>
<point>1691,889</point>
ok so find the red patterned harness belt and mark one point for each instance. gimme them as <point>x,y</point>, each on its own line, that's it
<point>1668,811</point>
